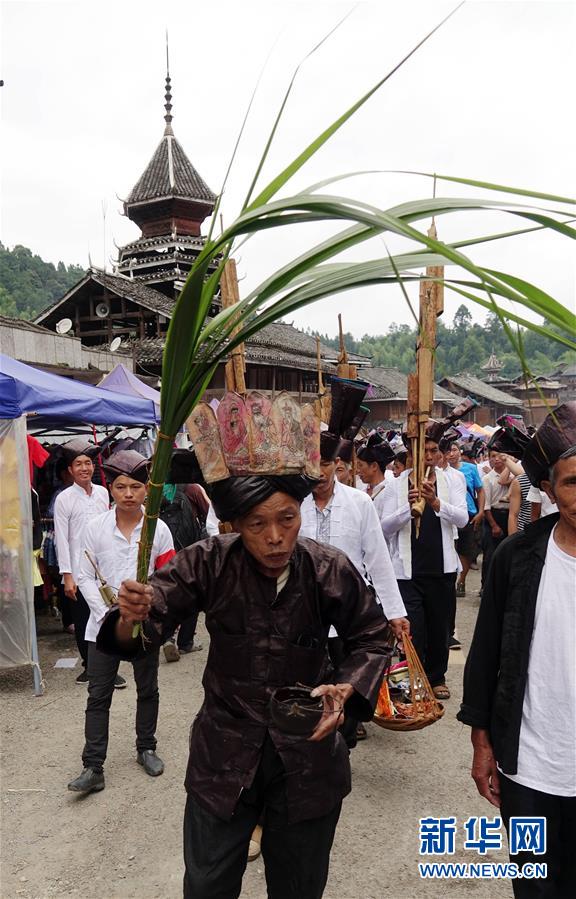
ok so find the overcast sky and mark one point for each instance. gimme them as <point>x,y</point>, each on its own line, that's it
<point>490,97</point>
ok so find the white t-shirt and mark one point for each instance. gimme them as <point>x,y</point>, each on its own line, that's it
<point>539,496</point>
<point>547,749</point>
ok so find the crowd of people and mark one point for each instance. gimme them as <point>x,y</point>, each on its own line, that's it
<point>312,581</point>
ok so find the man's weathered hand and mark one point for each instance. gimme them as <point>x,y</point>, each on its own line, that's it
<point>334,696</point>
<point>134,601</point>
<point>70,587</point>
<point>400,626</point>
<point>497,531</point>
<point>484,769</point>
<point>477,520</point>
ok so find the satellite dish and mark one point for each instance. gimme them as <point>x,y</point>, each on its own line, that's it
<point>102,310</point>
<point>116,343</point>
<point>64,325</point>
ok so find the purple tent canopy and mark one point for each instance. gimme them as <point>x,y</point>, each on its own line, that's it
<point>26,389</point>
<point>123,381</point>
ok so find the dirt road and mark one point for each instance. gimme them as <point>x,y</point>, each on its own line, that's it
<point>125,843</point>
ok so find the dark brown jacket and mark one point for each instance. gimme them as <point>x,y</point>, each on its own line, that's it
<point>259,641</point>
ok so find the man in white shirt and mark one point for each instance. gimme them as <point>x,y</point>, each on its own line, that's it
<point>111,545</point>
<point>520,676</point>
<point>73,509</point>
<point>497,485</point>
<point>426,563</point>
<point>346,518</point>
<point>373,456</point>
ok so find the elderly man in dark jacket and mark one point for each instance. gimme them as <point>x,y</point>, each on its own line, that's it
<point>269,600</point>
<point>520,675</point>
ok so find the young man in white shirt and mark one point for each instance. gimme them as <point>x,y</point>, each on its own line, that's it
<point>426,564</point>
<point>520,677</point>
<point>372,458</point>
<point>111,541</point>
<point>73,509</point>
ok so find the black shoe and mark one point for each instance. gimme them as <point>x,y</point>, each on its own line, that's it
<point>152,764</point>
<point>454,643</point>
<point>119,682</point>
<point>90,781</point>
<point>82,678</point>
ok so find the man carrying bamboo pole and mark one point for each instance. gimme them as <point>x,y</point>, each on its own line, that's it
<point>270,598</point>
<point>424,556</point>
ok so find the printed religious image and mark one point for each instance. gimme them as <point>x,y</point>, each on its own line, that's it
<point>286,418</point>
<point>203,429</point>
<point>264,446</point>
<point>233,421</point>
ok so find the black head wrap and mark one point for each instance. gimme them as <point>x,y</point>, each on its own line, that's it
<point>556,434</point>
<point>128,463</point>
<point>345,449</point>
<point>329,444</point>
<point>234,497</point>
<point>452,435</point>
<point>376,449</point>
<point>185,468</point>
<point>79,446</point>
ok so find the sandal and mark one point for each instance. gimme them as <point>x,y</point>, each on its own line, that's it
<point>441,691</point>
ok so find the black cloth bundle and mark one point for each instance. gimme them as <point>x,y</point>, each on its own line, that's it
<point>556,434</point>
<point>234,497</point>
<point>346,416</point>
<point>511,437</point>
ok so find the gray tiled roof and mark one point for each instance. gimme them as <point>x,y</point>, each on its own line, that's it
<point>170,174</point>
<point>389,382</point>
<point>22,325</point>
<point>129,288</point>
<point>476,387</point>
<point>277,344</point>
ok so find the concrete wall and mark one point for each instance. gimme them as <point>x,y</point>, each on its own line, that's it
<point>44,348</point>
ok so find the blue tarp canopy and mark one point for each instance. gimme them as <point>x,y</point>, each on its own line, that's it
<point>24,389</point>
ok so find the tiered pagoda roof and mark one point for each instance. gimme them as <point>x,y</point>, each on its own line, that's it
<point>169,202</point>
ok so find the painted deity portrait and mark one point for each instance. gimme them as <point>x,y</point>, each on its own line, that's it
<point>264,446</point>
<point>311,432</point>
<point>286,417</point>
<point>204,434</point>
<point>233,421</point>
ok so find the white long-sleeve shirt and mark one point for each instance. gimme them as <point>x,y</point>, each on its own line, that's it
<point>116,558</point>
<point>397,526</point>
<point>212,523</point>
<point>355,529</point>
<point>73,509</point>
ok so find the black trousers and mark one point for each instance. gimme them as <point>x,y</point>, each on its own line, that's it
<point>102,669</point>
<point>489,542</point>
<point>80,616</point>
<point>186,631</point>
<point>296,856</point>
<point>560,813</point>
<point>430,605</point>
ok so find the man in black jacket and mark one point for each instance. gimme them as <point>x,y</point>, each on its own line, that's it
<point>520,676</point>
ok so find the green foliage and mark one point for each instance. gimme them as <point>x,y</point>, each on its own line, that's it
<point>28,284</point>
<point>463,346</point>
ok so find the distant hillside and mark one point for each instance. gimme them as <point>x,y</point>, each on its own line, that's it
<point>28,284</point>
<point>463,346</point>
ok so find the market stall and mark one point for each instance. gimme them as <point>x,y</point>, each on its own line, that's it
<point>29,394</point>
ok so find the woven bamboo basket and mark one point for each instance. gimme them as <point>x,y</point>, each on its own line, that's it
<point>423,708</point>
